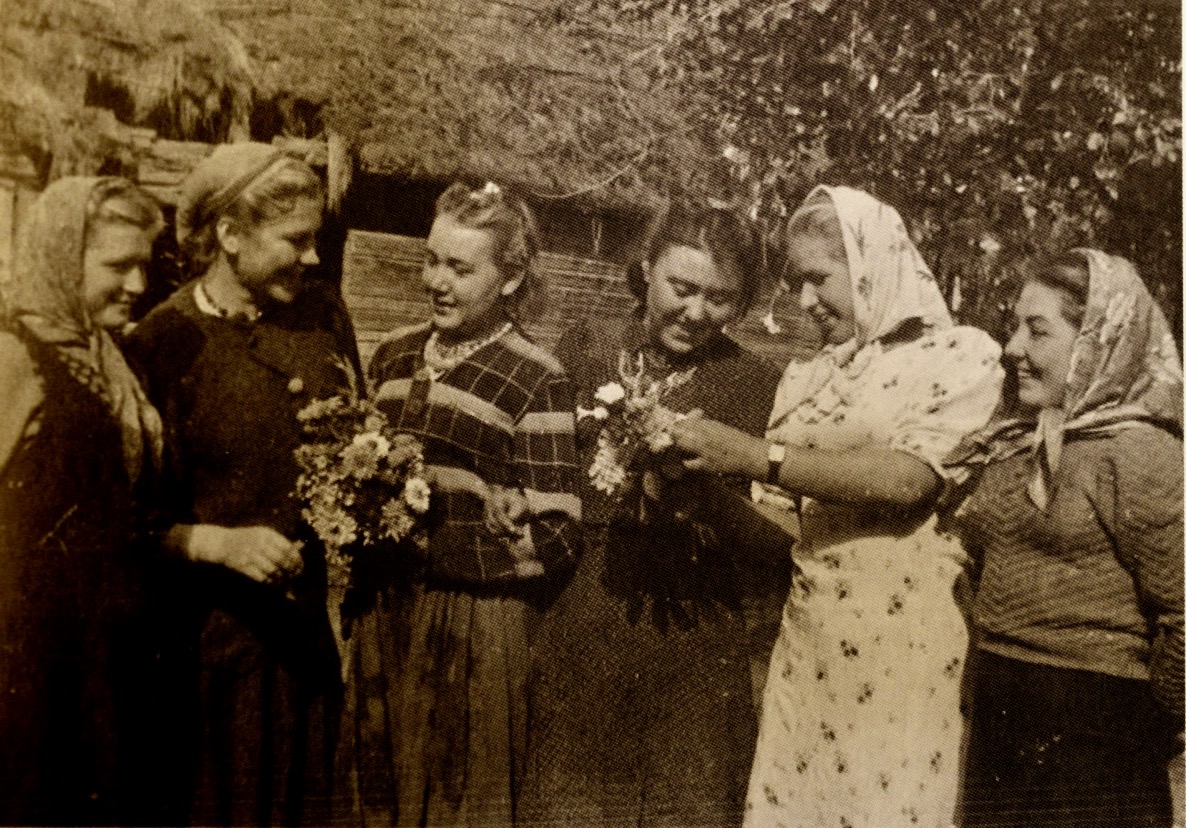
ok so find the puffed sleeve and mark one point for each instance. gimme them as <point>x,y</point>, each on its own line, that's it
<point>949,387</point>
<point>1143,481</point>
<point>544,457</point>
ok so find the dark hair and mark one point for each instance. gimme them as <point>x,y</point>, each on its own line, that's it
<point>1067,273</point>
<point>514,235</point>
<point>726,237</point>
<point>272,194</point>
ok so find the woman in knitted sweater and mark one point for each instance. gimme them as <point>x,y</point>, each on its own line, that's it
<point>1075,525</point>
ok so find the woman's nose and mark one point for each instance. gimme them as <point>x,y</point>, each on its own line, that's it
<point>808,298</point>
<point>694,308</point>
<point>309,257</point>
<point>1015,347</point>
<point>436,278</point>
<point>136,282</point>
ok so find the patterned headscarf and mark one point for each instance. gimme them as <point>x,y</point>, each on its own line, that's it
<point>891,284</point>
<point>43,295</point>
<point>1125,370</point>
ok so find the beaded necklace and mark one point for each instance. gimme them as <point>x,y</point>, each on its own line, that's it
<point>207,305</point>
<point>440,358</point>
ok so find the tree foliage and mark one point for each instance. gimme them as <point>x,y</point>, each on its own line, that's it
<point>1000,128</point>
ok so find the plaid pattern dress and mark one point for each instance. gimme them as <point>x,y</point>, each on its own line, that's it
<point>435,731</point>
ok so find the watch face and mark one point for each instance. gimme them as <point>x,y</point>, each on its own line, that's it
<point>777,453</point>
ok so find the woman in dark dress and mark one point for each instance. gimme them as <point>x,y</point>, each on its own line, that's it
<point>642,707</point>
<point>229,360</point>
<point>79,445</point>
<point>1074,523</point>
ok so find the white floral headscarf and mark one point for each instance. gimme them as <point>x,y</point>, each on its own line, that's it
<point>1125,370</point>
<point>890,281</point>
<point>891,284</point>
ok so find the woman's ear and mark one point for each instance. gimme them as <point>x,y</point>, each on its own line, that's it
<point>512,284</point>
<point>228,235</point>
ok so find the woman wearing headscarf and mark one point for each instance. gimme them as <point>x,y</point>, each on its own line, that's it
<point>1075,523</point>
<point>860,723</point>
<point>79,445</point>
<point>229,360</point>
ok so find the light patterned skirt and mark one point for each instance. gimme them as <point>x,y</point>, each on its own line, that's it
<point>861,724</point>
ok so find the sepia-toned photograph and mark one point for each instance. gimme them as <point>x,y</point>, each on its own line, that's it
<point>591,413</point>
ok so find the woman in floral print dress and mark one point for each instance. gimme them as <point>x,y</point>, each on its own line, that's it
<point>860,722</point>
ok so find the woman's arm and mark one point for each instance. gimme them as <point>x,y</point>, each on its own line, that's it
<point>544,454</point>
<point>1145,489</point>
<point>869,474</point>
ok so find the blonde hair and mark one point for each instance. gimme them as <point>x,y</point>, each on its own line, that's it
<point>119,201</point>
<point>272,194</point>
<point>514,237</point>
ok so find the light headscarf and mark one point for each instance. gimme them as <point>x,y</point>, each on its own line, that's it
<point>43,295</point>
<point>890,281</point>
<point>1125,371</point>
<point>891,284</point>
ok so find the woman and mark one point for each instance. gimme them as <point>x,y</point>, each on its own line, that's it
<point>1075,522</point>
<point>437,736</point>
<point>79,446</point>
<point>860,722</point>
<point>642,705</point>
<point>230,359</point>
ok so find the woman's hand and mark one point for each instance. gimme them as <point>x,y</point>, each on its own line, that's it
<point>506,511</point>
<point>711,446</point>
<point>259,552</point>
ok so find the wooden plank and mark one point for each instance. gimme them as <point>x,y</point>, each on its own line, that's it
<point>7,227</point>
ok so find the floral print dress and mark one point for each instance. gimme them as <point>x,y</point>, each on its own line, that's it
<point>861,722</point>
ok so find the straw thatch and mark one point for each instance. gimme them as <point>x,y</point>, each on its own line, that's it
<point>161,64</point>
<point>519,90</point>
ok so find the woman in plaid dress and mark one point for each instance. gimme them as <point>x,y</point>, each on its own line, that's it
<point>435,731</point>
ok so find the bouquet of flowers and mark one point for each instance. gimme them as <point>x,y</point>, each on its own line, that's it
<point>635,424</point>
<point>362,484</point>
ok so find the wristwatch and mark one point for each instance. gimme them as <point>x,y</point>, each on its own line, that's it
<point>775,454</point>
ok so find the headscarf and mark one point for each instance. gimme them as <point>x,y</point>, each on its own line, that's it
<point>1125,371</point>
<point>43,295</point>
<point>891,284</point>
<point>218,180</point>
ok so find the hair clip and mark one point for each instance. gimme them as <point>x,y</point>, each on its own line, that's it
<point>489,190</point>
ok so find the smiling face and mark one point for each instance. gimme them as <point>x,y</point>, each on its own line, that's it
<point>466,289</point>
<point>1041,347</point>
<point>688,299</point>
<point>270,256</point>
<point>825,291</point>
<point>113,271</point>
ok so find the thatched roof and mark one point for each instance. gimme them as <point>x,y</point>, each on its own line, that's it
<point>158,63</point>
<point>518,90</point>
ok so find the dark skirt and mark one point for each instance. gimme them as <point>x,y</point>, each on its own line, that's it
<point>268,702</point>
<point>637,719</point>
<point>1058,747</point>
<point>435,725</point>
